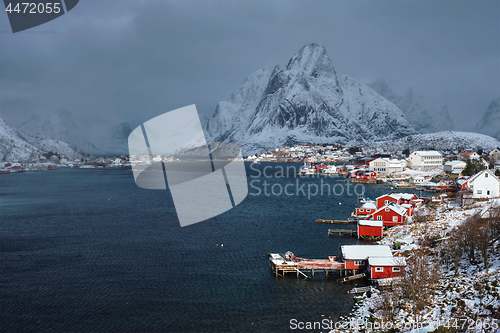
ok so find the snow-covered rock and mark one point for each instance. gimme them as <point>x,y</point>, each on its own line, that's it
<point>16,145</point>
<point>423,118</point>
<point>305,102</point>
<point>490,123</point>
<point>441,141</point>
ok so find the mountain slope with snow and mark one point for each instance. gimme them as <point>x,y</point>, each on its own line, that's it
<point>60,126</point>
<point>423,119</point>
<point>16,145</point>
<point>490,123</point>
<point>441,141</point>
<point>305,102</point>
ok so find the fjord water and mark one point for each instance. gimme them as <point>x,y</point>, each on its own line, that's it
<point>86,250</point>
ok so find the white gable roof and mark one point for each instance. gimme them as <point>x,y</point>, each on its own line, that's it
<point>362,252</point>
<point>387,261</point>
<point>474,177</point>
<point>428,153</point>
<point>371,223</point>
<point>398,209</point>
<point>369,205</point>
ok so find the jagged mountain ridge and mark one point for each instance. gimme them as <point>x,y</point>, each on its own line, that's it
<point>16,145</point>
<point>305,102</point>
<point>60,126</point>
<point>423,119</point>
<point>490,123</point>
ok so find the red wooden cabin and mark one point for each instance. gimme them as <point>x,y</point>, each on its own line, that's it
<point>385,267</point>
<point>391,214</point>
<point>370,228</point>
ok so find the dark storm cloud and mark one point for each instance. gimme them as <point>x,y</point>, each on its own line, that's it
<point>124,60</point>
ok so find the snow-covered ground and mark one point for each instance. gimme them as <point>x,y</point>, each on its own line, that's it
<point>472,295</point>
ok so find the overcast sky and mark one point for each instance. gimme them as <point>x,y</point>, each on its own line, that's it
<point>133,60</point>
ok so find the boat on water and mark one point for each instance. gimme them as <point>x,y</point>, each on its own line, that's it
<point>307,169</point>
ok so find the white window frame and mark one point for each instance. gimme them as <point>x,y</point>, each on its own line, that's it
<point>396,269</point>
<point>379,269</point>
<point>386,209</point>
<point>394,219</point>
<point>358,262</point>
<point>379,218</point>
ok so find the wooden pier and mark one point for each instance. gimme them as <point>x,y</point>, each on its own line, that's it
<point>335,221</point>
<point>341,232</point>
<point>299,266</point>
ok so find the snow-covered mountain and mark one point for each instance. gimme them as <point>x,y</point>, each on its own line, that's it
<point>424,119</point>
<point>305,102</point>
<point>60,126</point>
<point>16,145</point>
<point>441,141</point>
<point>490,123</point>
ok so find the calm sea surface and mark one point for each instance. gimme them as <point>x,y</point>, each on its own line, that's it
<point>86,250</point>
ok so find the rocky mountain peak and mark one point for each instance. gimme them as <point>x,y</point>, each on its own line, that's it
<point>311,59</point>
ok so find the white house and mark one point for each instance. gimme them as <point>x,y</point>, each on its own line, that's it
<point>386,165</point>
<point>425,159</point>
<point>470,154</point>
<point>484,184</point>
<point>416,180</point>
<point>454,165</point>
<point>495,155</point>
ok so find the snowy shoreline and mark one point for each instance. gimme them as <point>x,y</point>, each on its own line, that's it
<point>463,300</point>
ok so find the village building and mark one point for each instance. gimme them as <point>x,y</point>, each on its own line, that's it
<point>495,155</point>
<point>391,214</point>
<point>365,175</point>
<point>386,165</point>
<point>381,268</point>
<point>469,154</point>
<point>451,166</point>
<point>366,208</point>
<point>356,256</point>
<point>484,184</point>
<point>416,180</point>
<point>425,159</point>
<point>370,228</point>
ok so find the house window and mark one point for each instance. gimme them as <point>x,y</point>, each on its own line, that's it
<point>479,191</point>
<point>395,219</point>
<point>485,174</point>
<point>396,269</point>
<point>386,209</point>
<point>379,218</point>
<point>358,262</point>
<point>387,202</point>
<point>361,210</point>
<point>379,269</point>
<point>488,192</point>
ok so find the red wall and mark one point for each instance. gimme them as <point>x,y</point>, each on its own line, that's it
<point>349,264</point>
<point>381,201</point>
<point>365,212</point>
<point>387,273</point>
<point>387,217</point>
<point>367,230</point>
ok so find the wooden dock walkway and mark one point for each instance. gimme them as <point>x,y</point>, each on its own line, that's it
<point>299,266</point>
<point>341,232</point>
<point>335,221</point>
